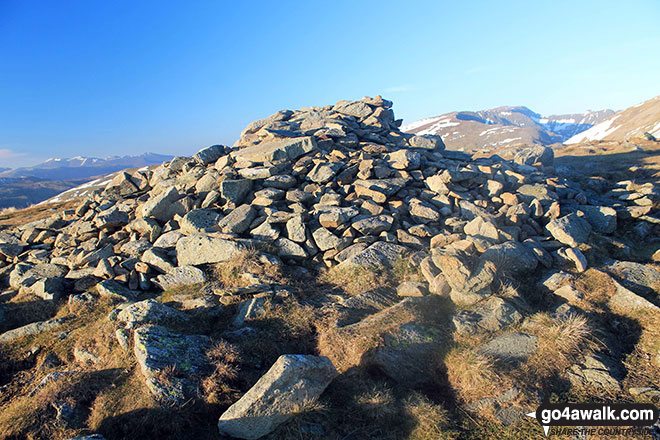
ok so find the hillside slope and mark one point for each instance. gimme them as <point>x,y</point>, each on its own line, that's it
<point>504,126</point>
<point>632,122</point>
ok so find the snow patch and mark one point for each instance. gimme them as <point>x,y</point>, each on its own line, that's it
<point>595,133</point>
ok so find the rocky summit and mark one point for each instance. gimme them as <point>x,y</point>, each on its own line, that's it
<point>328,276</point>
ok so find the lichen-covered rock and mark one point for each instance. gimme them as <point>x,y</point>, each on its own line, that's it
<point>180,276</point>
<point>203,249</point>
<point>171,363</point>
<point>149,312</point>
<point>292,382</point>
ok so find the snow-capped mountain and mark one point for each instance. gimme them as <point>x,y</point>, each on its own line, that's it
<point>84,167</point>
<point>632,122</point>
<point>504,126</point>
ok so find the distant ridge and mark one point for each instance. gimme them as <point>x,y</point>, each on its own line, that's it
<point>84,167</point>
<point>504,126</point>
<point>632,122</point>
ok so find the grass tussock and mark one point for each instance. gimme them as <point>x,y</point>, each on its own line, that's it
<point>353,280</point>
<point>287,325</point>
<point>559,342</point>
<point>190,291</point>
<point>226,359</point>
<point>347,346</point>
<point>232,273</point>
<point>471,374</point>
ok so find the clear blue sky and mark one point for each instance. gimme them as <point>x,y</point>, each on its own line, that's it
<point>98,78</point>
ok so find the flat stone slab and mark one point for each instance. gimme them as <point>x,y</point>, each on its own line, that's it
<point>203,249</point>
<point>292,382</point>
<point>180,276</point>
<point>149,311</point>
<point>514,347</point>
<point>157,349</point>
<point>31,329</point>
<point>284,150</point>
<point>379,254</point>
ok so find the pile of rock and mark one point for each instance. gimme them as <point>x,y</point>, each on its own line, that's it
<point>332,186</point>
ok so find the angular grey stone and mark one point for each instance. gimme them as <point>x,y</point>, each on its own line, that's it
<point>576,256</point>
<point>641,278</point>
<point>533,154</point>
<point>404,160</point>
<point>571,229</point>
<point>180,276</point>
<point>49,288</point>
<point>111,218</point>
<point>324,172</point>
<point>199,220</point>
<point>203,249</point>
<point>276,151</point>
<point>283,181</point>
<point>136,248</point>
<point>427,141</point>
<point>235,191</point>
<point>379,254</point>
<point>149,311</point>
<point>162,206</point>
<point>357,109</point>
<point>628,301</point>
<point>511,257</point>
<point>601,218</point>
<point>337,216</point>
<point>250,309</point>
<point>422,212</point>
<point>31,329</point>
<point>288,248</point>
<point>511,347</point>
<point>325,239</point>
<point>478,227</point>
<point>292,381</point>
<point>238,220</point>
<point>596,371</point>
<point>491,316</point>
<point>157,349</point>
<point>112,288</point>
<point>168,240</point>
<point>373,225</point>
<point>158,259</point>
<point>209,154</point>
<point>412,288</point>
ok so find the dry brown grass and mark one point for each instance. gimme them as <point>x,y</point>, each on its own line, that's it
<point>346,346</point>
<point>226,360</point>
<point>353,280</point>
<point>559,342</point>
<point>230,273</point>
<point>430,420</point>
<point>190,291</point>
<point>471,374</point>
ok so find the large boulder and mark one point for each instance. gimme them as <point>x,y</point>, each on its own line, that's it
<point>292,381</point>
<point>535,154</point>
<point>149,311</point>
<point>180,276</point>
<point>276,151</point>
<point>571,229</point>
<point>171,363</point>
<point>511,257</point>
<point>162,206</point>
<point>203,249</point>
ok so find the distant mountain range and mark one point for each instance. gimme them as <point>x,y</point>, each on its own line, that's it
<point>84,167</point>
<point>504,126</point>
<point>630,123</point>
<point>22,187</point>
